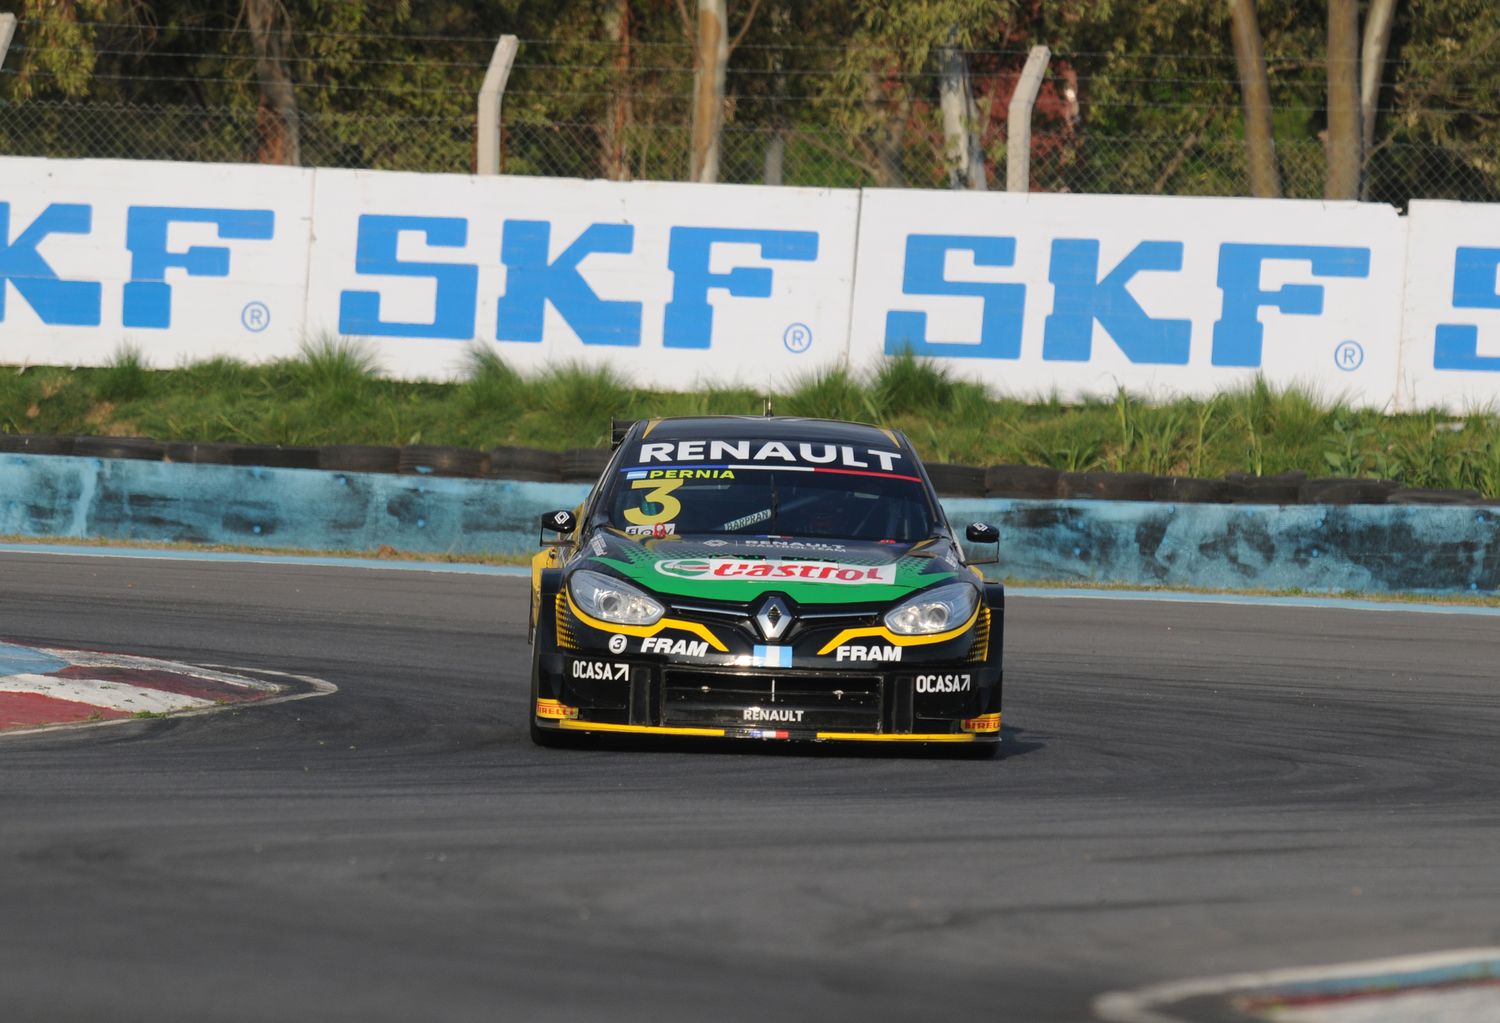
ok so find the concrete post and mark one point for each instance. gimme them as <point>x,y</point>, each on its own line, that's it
<point>7,30</point>
<point>1018,128</point>
<point>490,95</point>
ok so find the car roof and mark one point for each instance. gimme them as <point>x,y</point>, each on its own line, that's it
<point>831,431</point>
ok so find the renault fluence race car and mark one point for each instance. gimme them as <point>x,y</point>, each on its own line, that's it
<point>764,578</point>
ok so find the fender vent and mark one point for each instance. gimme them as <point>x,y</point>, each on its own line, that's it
<point>565,638</point>
<point>979,653</point>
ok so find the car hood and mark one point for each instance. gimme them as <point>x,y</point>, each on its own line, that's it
<point>740,569</point>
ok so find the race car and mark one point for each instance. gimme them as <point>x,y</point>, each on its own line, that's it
<point>764,578</point>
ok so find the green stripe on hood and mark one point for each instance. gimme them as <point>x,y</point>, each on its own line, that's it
<point>743,579</point>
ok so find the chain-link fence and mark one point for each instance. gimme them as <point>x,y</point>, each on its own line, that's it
<point>548,130</point>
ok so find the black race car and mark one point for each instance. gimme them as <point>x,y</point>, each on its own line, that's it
<point>764,578</point>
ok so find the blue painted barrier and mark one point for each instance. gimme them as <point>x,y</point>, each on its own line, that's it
<point>1320,548</point>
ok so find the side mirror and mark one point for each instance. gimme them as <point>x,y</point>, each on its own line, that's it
<point>557,522</point>
<point>983,532</point>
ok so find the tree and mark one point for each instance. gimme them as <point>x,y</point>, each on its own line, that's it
<point>711,63</point>
<point>1260,143</point>
<point>276,117</point>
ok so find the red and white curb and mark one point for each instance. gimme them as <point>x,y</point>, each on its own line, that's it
<point>45,687</point>
<point>1461,986</point>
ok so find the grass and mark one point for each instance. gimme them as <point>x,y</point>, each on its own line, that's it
<point>331,394</point>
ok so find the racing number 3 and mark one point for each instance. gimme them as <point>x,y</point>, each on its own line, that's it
<point>660,494</point>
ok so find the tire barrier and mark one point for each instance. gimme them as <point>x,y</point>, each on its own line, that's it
<point>583,465</point>
<point>1379,548</point>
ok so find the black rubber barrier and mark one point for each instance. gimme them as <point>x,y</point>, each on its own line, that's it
<point>583,465</point>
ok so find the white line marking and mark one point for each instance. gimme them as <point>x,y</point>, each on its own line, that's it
<point>1140,1006</point>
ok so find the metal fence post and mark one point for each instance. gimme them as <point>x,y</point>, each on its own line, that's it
<point>1018,127</point>
<point>7,29</point>
<point>490,94</point>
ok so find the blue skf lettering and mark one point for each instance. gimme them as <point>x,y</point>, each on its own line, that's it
<point>148,296</point>
<point>1238,333</point>
<point>1081,296</point>
<point>375,253</point>
<point>531,282</point>
<point>689,319</point>
<point>1003,309</point>
<point>1456,345</point>
<point>56,302</point>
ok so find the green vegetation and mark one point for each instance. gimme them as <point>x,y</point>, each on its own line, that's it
<point>331,395</point>
<point>1139,97</point>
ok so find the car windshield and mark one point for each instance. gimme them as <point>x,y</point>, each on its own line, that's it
<point>792,489</point>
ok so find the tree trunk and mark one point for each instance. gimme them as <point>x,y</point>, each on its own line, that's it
<point>708,89</point>
<point>1342,181</point>
<point>614,160</point>
<point>276,115</point>
<point>961,151</point>
<point>1260,144</point>
<point>886,142</point>
<point>1378,21</point>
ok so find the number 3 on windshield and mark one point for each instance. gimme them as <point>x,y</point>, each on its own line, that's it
<point>660,493</point>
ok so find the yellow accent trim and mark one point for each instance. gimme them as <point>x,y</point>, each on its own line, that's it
<point>599,726</point>
<point>886,737</point>
<point>720,733</point>
<point>891,435</point>
<point>543,559</point>
<point>649,630</point>
<point>653,424</point>
<point>882,632</point>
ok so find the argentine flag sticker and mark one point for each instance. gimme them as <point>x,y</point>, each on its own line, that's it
<point>773,656</point>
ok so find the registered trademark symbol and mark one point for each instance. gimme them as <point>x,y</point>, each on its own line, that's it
<point>798,338</point>
<point>255,317</point>
<point>1348,356</point>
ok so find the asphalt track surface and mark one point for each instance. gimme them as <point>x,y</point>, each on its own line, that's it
<point>1190,790</point>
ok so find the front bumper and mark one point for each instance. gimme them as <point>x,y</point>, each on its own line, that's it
<point>584,692</point>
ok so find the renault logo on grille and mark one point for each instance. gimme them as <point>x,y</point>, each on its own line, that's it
<point>773,618</point>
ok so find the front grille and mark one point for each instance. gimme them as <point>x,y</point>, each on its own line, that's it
<point>785,701</point>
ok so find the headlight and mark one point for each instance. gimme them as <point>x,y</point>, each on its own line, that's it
<point>938,610</point>
<point>611,600</point>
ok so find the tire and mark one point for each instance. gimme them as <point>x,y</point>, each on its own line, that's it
<point>36,444</point>
<point>528,464</point>
<point>1345,491</point>
<point>143,448</point>
<point>1105,486</point>
<point>359,457</point>
<point>1030,481</point>
<point>272,456</point>
<point>1190,490</point>
<point>199,452</point>
<point>550,738</point>
<point>583,465</point>
<point>956,480</point>
<point>1435,497</point>
<point>438,460</point>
